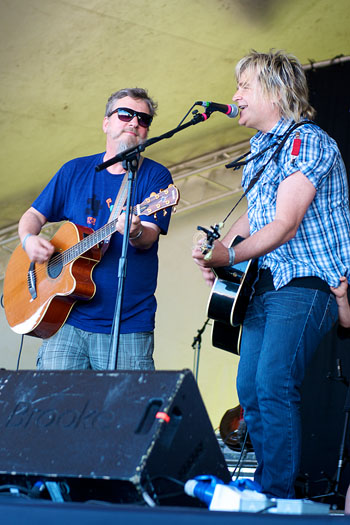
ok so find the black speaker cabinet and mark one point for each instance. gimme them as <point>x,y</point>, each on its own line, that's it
<point>119,436</point>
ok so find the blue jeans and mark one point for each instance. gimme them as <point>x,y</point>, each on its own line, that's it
<point>282,330</point>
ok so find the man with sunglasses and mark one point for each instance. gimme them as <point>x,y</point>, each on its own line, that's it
<point>83,196</point>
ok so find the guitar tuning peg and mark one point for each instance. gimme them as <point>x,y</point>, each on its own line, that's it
<point>155,216</point>
<point>165,213</point>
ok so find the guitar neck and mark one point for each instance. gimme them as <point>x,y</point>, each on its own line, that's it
<point>94,238</point>
<point>152,205</point>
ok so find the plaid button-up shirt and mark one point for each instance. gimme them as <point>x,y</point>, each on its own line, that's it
<point>321,246</point>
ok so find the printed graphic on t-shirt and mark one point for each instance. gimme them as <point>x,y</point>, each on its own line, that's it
<point>109,204</point>
<point>92,209</point>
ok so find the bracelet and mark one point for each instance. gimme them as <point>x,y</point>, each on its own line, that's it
<point>25,240</point>
<point>231,254</point>
<point>137,235</point>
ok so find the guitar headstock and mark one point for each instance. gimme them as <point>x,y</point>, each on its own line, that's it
<point>207,241</point>
<point>159,201</point>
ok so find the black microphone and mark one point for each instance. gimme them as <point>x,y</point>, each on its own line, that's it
<point>229,109</point>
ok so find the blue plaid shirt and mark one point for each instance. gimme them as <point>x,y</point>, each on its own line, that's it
<point>321,246</point>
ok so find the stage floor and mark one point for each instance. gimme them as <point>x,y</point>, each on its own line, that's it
<point>22,512</point>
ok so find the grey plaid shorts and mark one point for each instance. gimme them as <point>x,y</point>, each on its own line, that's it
<point>74,349</point>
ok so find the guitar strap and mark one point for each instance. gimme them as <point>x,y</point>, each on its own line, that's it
<point>118,205</point>
<point>116,209</point>
<point>236,164</point>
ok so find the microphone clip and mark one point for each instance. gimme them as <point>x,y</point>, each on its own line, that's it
<point>202,116</point>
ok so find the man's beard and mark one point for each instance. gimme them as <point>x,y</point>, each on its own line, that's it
<point>128,141</point>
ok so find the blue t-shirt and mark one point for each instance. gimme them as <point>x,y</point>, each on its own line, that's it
<point>83,196</point>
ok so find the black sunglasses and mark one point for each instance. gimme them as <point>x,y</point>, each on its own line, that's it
<point>127,114</point>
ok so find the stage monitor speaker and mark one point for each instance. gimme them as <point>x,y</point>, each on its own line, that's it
<point>119,436</point>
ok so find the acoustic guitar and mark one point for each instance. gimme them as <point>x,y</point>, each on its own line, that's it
<point>228,302</point>
<point>39,297</point>
<point>233,430</point>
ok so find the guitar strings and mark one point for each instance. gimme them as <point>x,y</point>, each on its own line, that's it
<point>74,252</point>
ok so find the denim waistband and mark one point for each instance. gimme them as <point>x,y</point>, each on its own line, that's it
<point>265,283</point>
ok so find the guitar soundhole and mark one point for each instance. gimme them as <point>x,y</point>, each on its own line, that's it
<point>54,267</point>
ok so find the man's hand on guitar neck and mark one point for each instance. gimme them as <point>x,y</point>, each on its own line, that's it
<point>219,257</point>
<point>142,234</point>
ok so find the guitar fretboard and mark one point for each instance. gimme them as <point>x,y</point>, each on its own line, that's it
<point>81,247</point>
<point>153,204</point>
<point>89,242</point>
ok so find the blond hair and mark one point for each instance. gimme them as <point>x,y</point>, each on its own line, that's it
<point>282,80</point>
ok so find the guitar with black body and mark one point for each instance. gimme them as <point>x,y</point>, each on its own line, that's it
<point>228,302</point>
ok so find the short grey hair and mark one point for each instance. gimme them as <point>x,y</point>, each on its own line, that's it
<point>135,93</point>
<point>282,78</point>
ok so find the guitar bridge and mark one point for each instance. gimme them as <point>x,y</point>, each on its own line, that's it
<point>31,280</point>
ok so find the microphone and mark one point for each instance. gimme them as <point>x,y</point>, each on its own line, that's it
<point>229,109</point>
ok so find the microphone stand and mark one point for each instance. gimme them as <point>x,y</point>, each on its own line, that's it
<point>130,164</point>
<point>333,484</point>
<point>196,345</point>
<point>130,159</point>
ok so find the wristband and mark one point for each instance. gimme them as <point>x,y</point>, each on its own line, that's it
<point>231,254</point>
<point>137,235</point>
<point>25,240</point>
